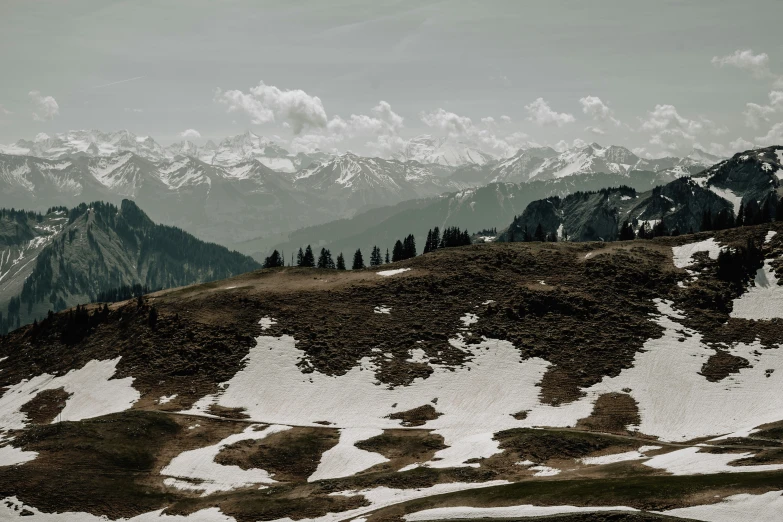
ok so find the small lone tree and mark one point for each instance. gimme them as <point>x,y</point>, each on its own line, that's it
<point>274,260</point>
<point>375,257</point>
<point>340,262</point>
<point>358,260</point>
<point>325,259</point>
<point>398,252</point>
<point>539,234</point>
<point>308,259</point>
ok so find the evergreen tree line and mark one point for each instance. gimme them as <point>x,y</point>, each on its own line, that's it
<point>452,237</point>
<point>123,293</point>
<point>771,209</point>
<point>523,235</point>
<point>403,249</point>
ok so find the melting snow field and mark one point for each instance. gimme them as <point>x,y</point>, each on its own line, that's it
<point>479,399</point>
<point>524,511</point>
<point>345,459</point>
<point>676,403</point>
<point>387,273</point>
<point>763,300</point>
<point>728,195</point>
<point>93,393</point>
<point>619,457</point>
<point>683,255</point>
<point>767,507</point>
<point>196,470</point>
<point>476,400</point>
<point>10,456</point>
<point>11,507</point>
<point>692,461</point>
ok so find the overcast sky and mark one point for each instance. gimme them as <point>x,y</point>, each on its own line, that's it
<point>656,76</point>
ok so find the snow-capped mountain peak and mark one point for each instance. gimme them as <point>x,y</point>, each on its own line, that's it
<point>429,149</point>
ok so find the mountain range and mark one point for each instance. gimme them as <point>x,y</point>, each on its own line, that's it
<point>248,192</point>
<point>749,180</point>
<point>66,256</point>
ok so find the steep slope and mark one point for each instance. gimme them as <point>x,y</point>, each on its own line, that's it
<point>55,261</point>
<point>749,179</point>
<point>538,378</point>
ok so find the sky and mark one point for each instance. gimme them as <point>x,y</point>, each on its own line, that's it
<point>659,77</point>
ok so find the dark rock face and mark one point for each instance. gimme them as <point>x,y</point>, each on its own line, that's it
<point>750,178</point>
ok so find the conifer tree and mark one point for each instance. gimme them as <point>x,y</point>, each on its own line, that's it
<point>741,215</point>
<point>325,259</point>
<point>375,256</point>
<point>358,260</point>
<point>706,221</point>
<point>340,262</point>
<point>274,260</point>
<point>398,252</point>
<point>539,233</point>
<point>428,242</point>
<point>626,232</point>
<point>435,240</point>
<point>387,257</point>
<point>300,257</point>
<point>409,247</point>
<point>308,259</point>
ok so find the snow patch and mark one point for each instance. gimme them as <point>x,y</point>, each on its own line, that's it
<point>165,399</point>
<point>683,255</point>
<point>382,310</point>
<point>691,461</point>
<point>11,456</point>
<point>544,471</point>
<point>522,511</point>
<point>267,323</point>
<point>196,470</point>
<point>345,459</point>
<point>388,273</point>
<point>11,507</point>
<point>93,393</point>
<point>619,457</point>
<point>766,507</point>
<point>728,195</point>
<point>763,300</point>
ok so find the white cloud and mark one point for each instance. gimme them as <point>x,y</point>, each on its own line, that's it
<point>757,64</point>
<point>447,121</point>
<point>4,111</point>
<point>675,133</point>
<point>463,129</point>
<point>190,133</point>
<point>383,127</point>
<point>127,109</point>
<point>506,119</point>
<point>598,110</point>
<point>542,114</point>
<point>595,130</point>
<point>755,114</point>
<point>46,107</point>
<point>563,145</point>
<point>741,145</point>
<point>267,103</point>
<point>773,137</point>
<point>386,114</point>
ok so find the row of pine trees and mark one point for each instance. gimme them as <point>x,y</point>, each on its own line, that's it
<point>403,249</point>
